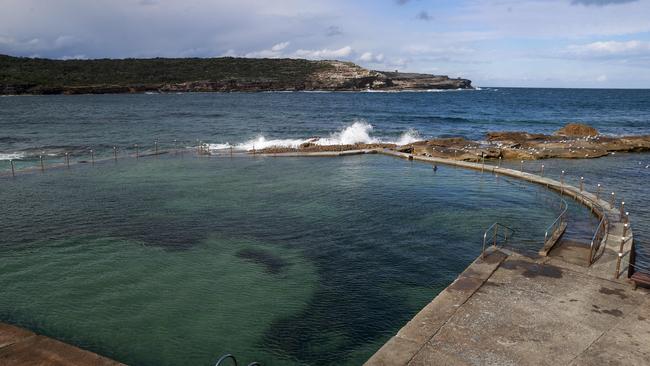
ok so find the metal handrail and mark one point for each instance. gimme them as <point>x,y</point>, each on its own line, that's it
<point>557,223</point>
<point>234,360</point>
<point>495,236</point>
<point>597,238</point>
<point>225,357</point>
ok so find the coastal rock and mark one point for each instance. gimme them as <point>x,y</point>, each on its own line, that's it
<point>577,130</point>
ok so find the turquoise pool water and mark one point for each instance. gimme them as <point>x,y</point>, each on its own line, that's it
<point>177,260</point>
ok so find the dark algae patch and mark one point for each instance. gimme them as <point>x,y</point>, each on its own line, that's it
<point>617,292</point>
<point>273,264</point>
<point>532,270</point>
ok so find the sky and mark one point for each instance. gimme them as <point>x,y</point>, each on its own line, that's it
<point>527,43</point>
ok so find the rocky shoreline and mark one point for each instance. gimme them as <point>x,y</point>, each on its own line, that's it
<point>574,141</point>
<point>20,75</point>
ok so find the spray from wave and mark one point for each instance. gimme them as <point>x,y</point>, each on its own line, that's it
<point>11,156</point>
<point>359,132</point>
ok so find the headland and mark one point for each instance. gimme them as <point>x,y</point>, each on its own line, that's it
<point>22,75</point>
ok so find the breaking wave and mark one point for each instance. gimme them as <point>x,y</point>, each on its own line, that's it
<point>359,132</point>
<point>11,156</point>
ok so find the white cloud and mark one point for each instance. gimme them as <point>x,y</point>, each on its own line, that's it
<point>280,46</point>
<point>601,78</point>
<point>610,48</point>
<point>371,57</point>
<point>325,53</point>
<point>276,51</point>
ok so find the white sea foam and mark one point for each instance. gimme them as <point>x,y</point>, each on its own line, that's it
<point>262,143</point>
<point>408,137</point>
<point>219,146</point>
<point>11,156</point>
<point>359,132</point>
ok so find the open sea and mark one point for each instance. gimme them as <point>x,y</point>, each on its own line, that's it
<point>177,259</point>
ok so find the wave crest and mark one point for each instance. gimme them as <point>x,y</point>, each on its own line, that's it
<point>359,132</point>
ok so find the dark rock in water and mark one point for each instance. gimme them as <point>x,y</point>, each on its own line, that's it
<point>405,149</point>
<point>273,264</point>
<point>577,130</point>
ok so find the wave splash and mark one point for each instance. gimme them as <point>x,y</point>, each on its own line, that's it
<point>359,132</point>
<point>12,156</point>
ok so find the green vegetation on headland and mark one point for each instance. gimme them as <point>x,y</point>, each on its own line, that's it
<point>21,75</point>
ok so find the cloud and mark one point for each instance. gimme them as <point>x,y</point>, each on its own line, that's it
<point>371,58</point>
<point>424,15</point>
<point>276,51</point>
<point>332,31</point>
<point>601,78</point>
<point>402,2</point>
<point>325,53</point>
<point>600,2</point>
<point>280,46</point>
<point>609,49</point>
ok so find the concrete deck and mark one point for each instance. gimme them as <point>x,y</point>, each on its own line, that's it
<point>19,347</point>
<point>508,309</point>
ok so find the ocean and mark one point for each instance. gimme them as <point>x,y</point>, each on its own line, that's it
<point>177,259</point>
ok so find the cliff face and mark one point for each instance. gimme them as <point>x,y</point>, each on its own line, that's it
<point>42,76</point>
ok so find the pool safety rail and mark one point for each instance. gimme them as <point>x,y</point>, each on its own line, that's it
<point>554,230</point>
<point>495,234</point>
<point>597,239</point>
<point>222,361</point>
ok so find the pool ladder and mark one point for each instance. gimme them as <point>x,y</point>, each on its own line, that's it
<point>234,360</point>
<point>496,233</point>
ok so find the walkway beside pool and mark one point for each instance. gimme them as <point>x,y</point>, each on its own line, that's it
<point>20,347</point>
<point>507,309</point>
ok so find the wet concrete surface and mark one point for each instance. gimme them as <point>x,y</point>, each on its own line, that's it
<point>19,347</point>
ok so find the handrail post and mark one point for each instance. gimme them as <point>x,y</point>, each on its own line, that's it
<point>42,165</point>
<point>622,210</point>
<point>496,231</point>
<point>613,200</point>
<point>542,170</point>
<point>484,240</point>
<point>137,151</point>
<point>582,182</point>
<point>92,156</point>
<point>115,153</point>
<point>13,171</point>
<point>620,257</point>
<point>598,193</point>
